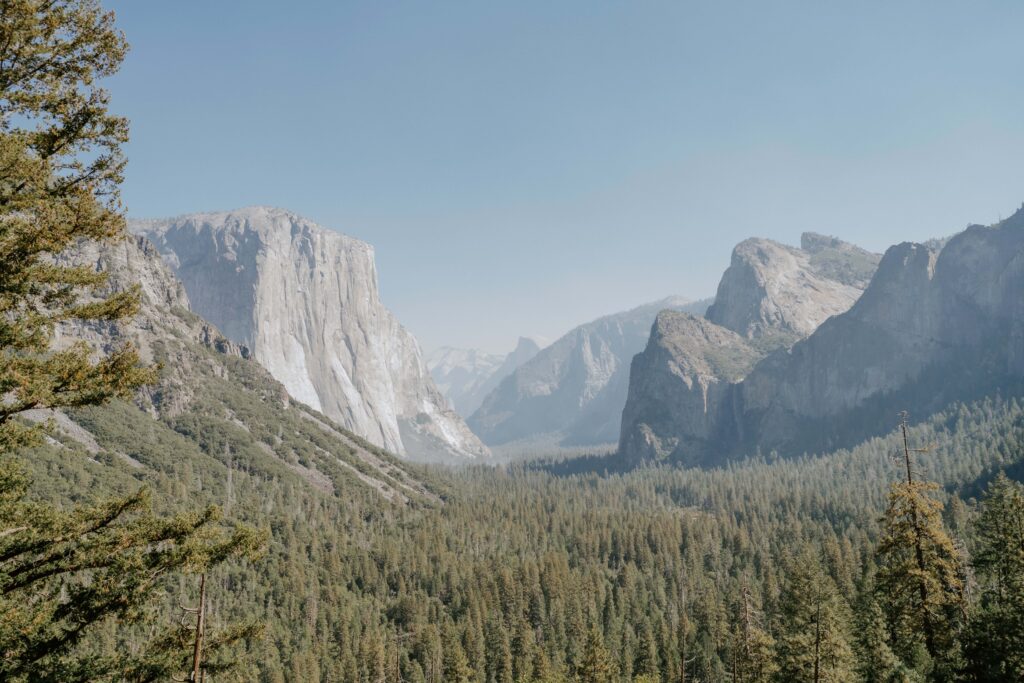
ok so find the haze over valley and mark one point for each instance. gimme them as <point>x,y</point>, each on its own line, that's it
<point>522,343</point>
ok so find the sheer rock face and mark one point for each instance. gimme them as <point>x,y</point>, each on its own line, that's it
<point>304,299</point>
<point>677,383</point>
<point>933,327</point>
<point>164,322</point>
<point>771,296</point>
<point>467,376</point>
<point>205,378</point>
<point>571,394</point>
<point>774,291</point>
<point>937,324</point>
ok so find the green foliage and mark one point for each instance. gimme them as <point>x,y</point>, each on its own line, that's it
<point>753,647</point>
<point>813,638</point>
<point>515,565</point>
<point>63,572</point>
<point>597,665</point>
<point>876,662</point>
<point>65,576</point>
<point>995,641</point>
<point>921,577</point>
<point>60,165</point>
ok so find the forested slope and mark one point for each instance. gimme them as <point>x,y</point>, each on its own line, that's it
<point>518,568</point>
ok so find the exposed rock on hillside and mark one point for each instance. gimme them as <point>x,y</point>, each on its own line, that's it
<point>679,380</point>
<point>572,392</point>
<point>210,403</point>
<point>932,327</point>
<point>782,294</point>
<point>305,300</point>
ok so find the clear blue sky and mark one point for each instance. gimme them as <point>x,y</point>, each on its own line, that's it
<point>525,166</point>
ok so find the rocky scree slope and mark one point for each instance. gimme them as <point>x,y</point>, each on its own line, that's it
<point>305,300</point>
<point>571,393</point>
<point>937,324</point>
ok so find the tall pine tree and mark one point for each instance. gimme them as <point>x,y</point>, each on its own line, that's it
<point>62,572</point>
<point>813,640</point>
<point>752,646</point>
<point>995,643</point>
<point>920,578</point>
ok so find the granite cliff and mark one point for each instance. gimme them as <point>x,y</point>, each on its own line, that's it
<point>779,293</point>
<point>213,410</point>
<point>938,323</point>
<point>305,300</point>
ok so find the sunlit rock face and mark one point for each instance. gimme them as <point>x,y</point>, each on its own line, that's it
<point>305,300</point>
<point>938,323</point>
<point>677,384</point>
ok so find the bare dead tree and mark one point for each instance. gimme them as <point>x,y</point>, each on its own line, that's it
<point>197,675</point>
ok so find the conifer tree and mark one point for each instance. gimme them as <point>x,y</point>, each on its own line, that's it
<point>752,645</point>
<point>920,579</point>
<point>646,660</point>
<point>995,643</point>
<point>597,665</point>
<point>876,662</point>
<point>456,664</point>
<point>812,643</point>
<point>62,572</point>
<point>60,167</point>
<point>499,652</point>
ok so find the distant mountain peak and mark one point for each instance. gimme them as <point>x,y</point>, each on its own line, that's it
<point>772,290</point>
<point>466,376</point>
<point>571,393</point>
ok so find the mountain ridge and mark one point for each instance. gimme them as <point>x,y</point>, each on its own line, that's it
<point>467,376</point>
<point>938,323</point>
<point>571,393</point>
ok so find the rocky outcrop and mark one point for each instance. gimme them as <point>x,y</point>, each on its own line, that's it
<point>209,401</point>
<point>780,293</point>
<point>129,262</point>
<point>771,296</point>
<point>163,327</point>
<point>467,376</point>
<point>305,301</point>
<point>676,384</point>
<point>571,394</point>
<point>933,327</point>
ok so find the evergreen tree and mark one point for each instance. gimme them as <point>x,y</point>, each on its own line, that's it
<point>812,643</point>
<point>62,573</point>
<point>752,645</point>
<point>995,643</point>
<point>60,166</point>
<point>499,653</point>
<point>456,664</point>
<point>876,662</point>
<point>646,660</point>
<point>920,577</point>
<point>597,665</point>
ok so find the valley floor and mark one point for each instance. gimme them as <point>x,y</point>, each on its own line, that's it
<point>518,574</point>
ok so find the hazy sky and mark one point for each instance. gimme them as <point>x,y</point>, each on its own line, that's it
<point>522,167</point>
